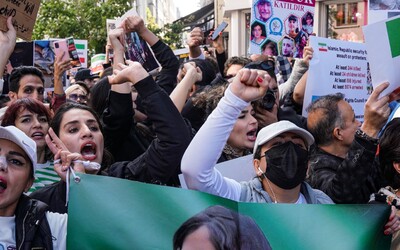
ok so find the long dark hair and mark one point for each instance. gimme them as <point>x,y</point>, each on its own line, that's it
<point>389,152</point>
<point>56,123</point>
<point>227,230</point>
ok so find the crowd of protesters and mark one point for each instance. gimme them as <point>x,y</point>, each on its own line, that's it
<point>184,119</point>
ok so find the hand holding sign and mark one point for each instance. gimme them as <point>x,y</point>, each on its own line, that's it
<point>24,16</point>
<point>7,39</point>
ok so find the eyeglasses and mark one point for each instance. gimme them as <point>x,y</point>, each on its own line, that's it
<point>76,97</point>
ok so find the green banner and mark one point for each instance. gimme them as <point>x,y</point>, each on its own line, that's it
<point>111,213</point>
<point>393,35</point>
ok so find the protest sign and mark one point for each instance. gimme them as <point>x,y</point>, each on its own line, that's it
<point>82,49</point>
<point>383,45</point>
<point>281,26</point>
<point>338,66</point>
<point>24,14</point>
<point>22,55</point>
<point>110,24</point>
<point>136,49</point>
<point>111,213</point>
<point>96,63</point>
<point>382,9</point>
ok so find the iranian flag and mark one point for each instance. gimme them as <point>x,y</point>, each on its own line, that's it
<point>322,47</point>
<point>383,52</point>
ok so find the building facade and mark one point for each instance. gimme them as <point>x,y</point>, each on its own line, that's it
<point>339,19</point>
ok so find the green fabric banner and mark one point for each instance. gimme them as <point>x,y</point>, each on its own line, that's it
<point>393,35</point>
<point>111,213</point>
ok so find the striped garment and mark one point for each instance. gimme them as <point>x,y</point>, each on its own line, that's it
<point>44,175</point>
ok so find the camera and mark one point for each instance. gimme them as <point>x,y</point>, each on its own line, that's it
<point>268,100</point>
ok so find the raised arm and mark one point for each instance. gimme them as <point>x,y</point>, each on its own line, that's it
<point>181,92</point>
<point>160,163</point>
<point>166,78</point>
<point>299,69</point>
<point>59,97</point>
<point>7,44</point>
<point>194,40</point>
<point>203,152</point>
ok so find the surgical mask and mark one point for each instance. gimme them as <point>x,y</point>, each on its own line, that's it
<point>286,165</point>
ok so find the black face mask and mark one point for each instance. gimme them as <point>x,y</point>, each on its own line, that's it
<point>286,165</point>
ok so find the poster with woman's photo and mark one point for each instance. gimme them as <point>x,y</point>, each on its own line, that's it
<point>138,50</point>
<point>281,27</point>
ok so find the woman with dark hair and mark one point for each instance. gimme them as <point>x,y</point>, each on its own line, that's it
<point>218,227</point>
<point>76,128</point>
<point>33,118</point>
<point>79,129</point>
<point>258,33</point>
<point>241,140</point>
<point>389,154</point>
<point>389,159</point>
<point>308,23</point>
<point>269,48</point>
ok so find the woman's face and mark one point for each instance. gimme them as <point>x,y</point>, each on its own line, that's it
<point>80,132</point>
<point>198,239</point>
<point>244,131</point>
<point>257,31</point>
<point>308,20</point>
<point>269,50</point>
<point>78,96</point>
<point>33,125</point>
<point>16,179</point>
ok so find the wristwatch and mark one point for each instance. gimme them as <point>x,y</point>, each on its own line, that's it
<point>363,135</point>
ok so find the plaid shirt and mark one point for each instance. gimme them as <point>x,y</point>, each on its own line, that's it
<point>283,68</point>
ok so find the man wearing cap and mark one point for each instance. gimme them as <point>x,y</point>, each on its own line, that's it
<point>293,25</point>
<point>86,76</point>
<point>280,151</point>
<point>25,222</point>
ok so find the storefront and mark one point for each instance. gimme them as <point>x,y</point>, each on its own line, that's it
<point>338,19</point>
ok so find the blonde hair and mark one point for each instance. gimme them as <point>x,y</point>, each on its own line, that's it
<point>74,87</point>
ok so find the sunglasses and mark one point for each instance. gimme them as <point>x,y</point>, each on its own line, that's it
<point>76,97</point>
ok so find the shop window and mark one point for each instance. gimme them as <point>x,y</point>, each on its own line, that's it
<point>346,14</point>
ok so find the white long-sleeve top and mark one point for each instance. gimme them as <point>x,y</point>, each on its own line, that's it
<point>206,147</point>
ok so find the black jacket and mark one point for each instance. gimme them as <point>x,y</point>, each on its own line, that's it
<point>31,226</point>
<point>349,180</point>
<point>160,163</point>
<point>123,138</point>
<point>54,196</point>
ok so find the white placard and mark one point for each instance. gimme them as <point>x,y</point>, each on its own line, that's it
<point>383,45</point>
<point>338,66</point>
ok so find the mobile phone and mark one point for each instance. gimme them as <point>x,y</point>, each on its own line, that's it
<point>218,30</point>
<point>73,53</point>
<point>60,47</point>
